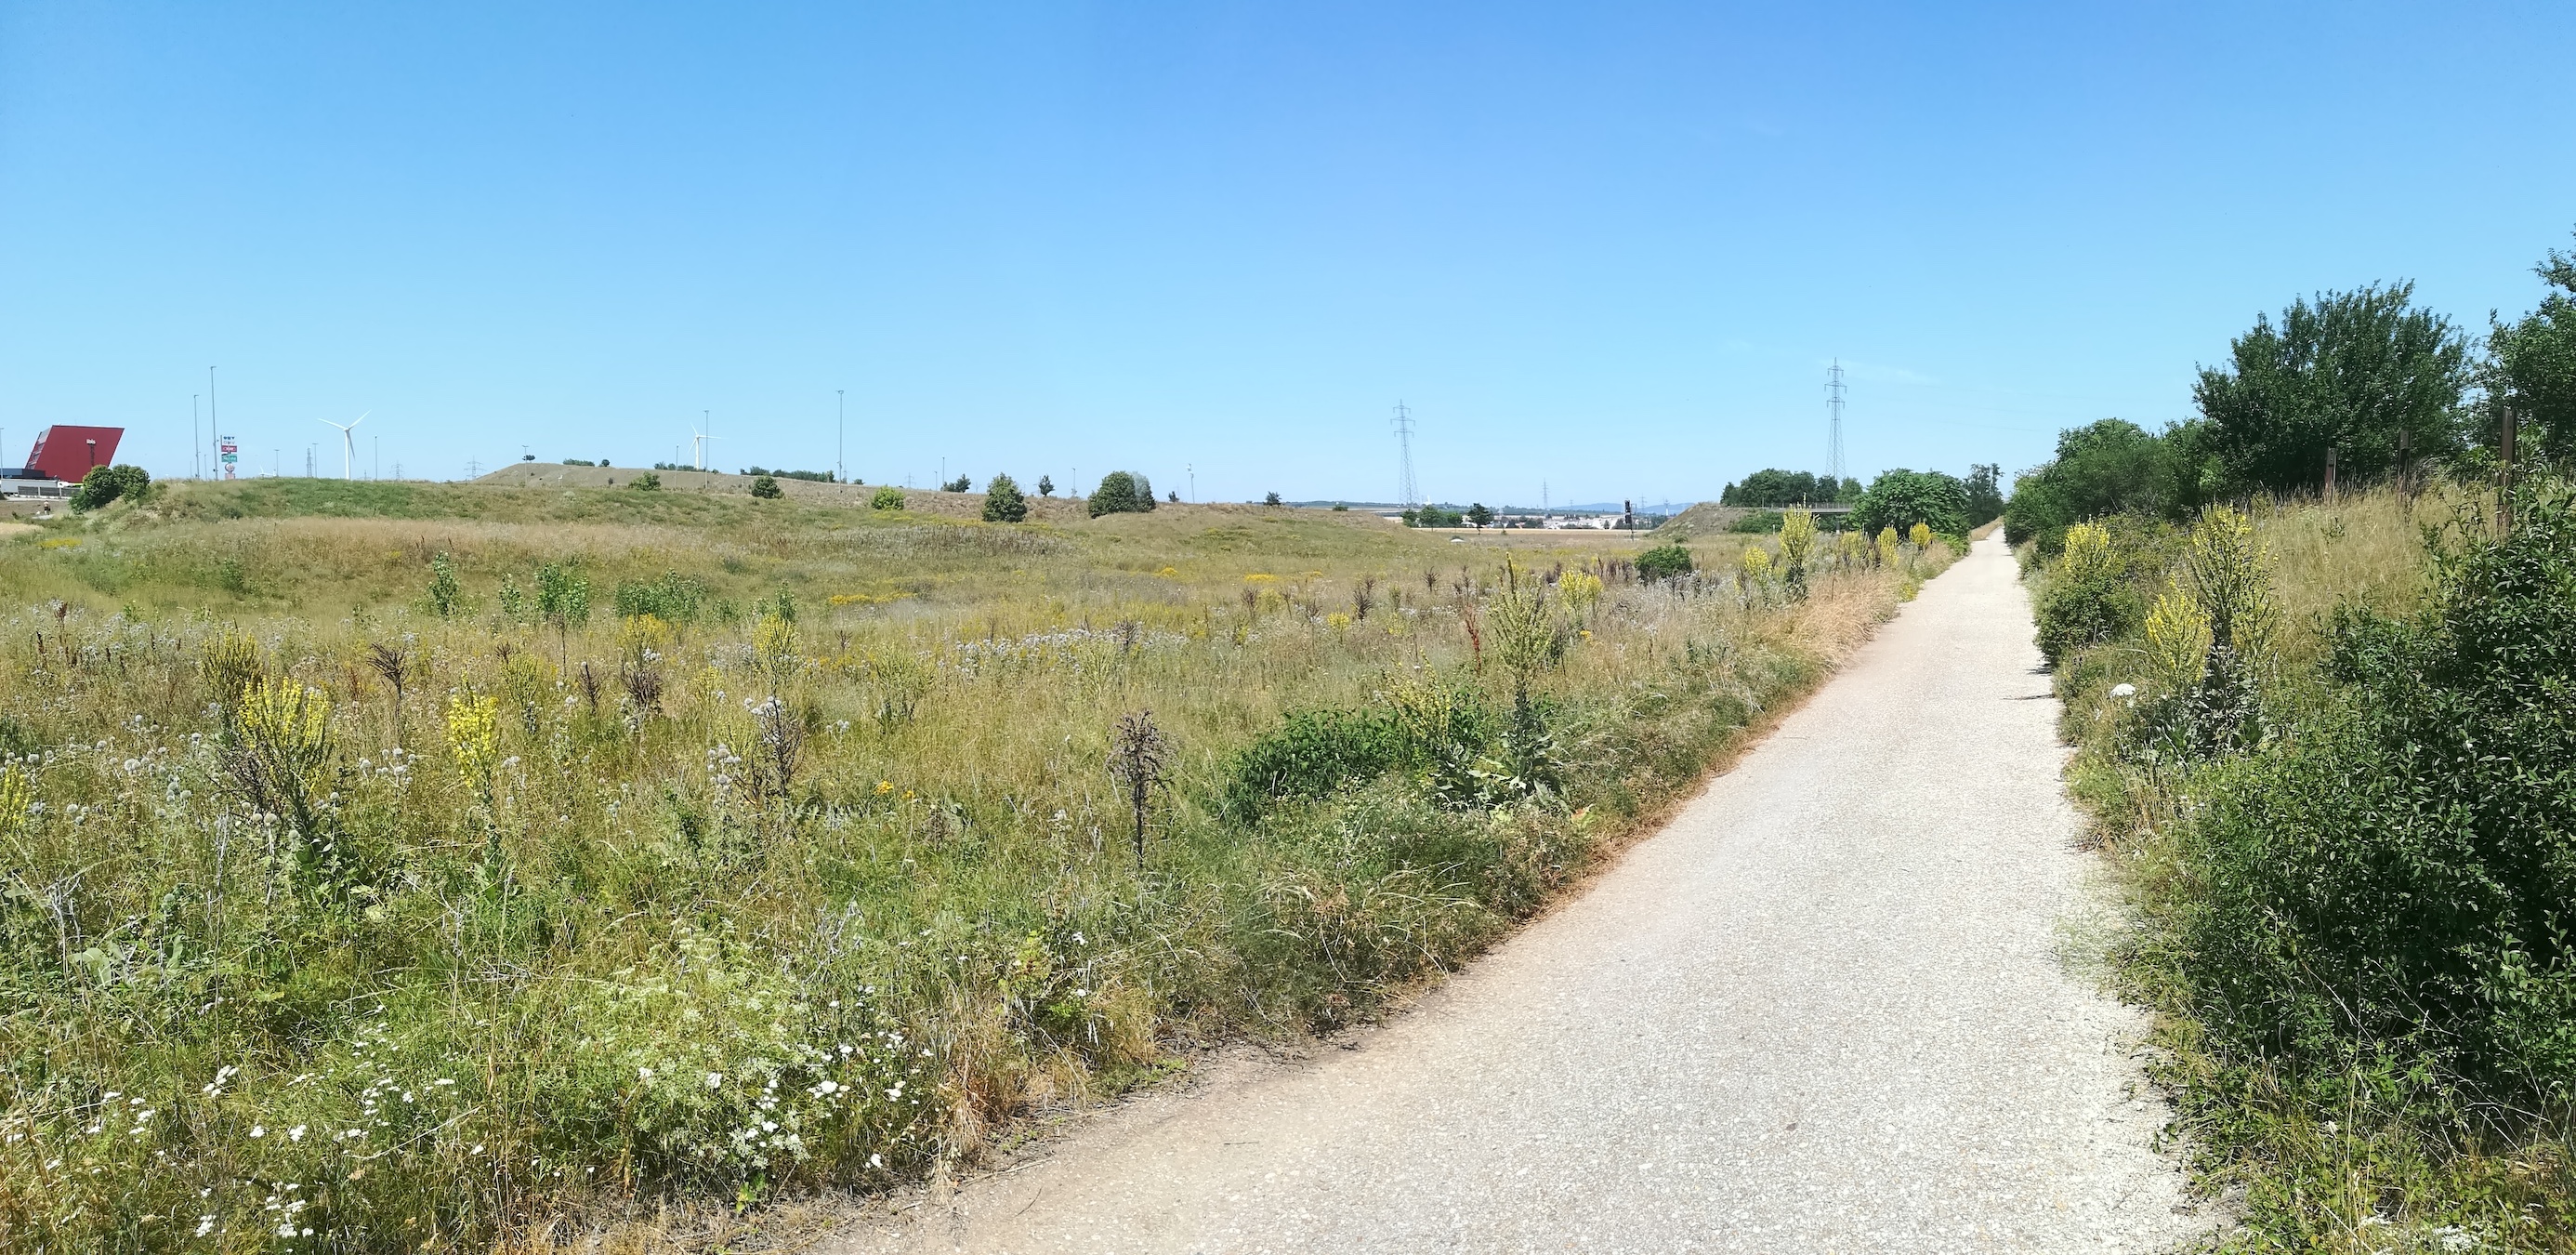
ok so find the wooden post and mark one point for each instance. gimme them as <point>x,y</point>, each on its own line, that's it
<point>2330,470</point>
<point>2504,476</point>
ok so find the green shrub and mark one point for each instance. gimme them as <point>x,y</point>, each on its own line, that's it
<point>1309,755</point>
<point>446,594</point>
<point>886,497</point>
<point>673,598</point>
<point>959,484</point>
<point>766,487</point>
<point>1122,492</point>
<point>1440,733</point>
<point>1663,562</point>
<point>1902,498</point>
<point>1003,502</point>
<point>645,481</point>
<point>2087,599</point>
<point>105,484</point>
<point>2394,878</point>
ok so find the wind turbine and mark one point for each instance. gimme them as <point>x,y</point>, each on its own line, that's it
<point>348,443</point>
<point>698,444</point>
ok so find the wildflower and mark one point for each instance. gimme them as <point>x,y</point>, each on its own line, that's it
<point>205,1225</point>
<point>715,1080</point>
<point>295,1134</point>
<point>259,1130</point>
<point>884,787</point>
<point>644,1074</point>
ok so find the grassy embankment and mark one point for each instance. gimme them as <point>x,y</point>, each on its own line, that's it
<point>2339,798</point>
<point>333,922</point>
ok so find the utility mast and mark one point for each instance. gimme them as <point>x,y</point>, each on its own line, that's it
<point>1412,496</point>
<point>1834,422</point>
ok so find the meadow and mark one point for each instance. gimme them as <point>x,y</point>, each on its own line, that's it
<point>444,867</point>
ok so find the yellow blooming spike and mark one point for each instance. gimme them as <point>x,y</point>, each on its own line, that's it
<point>474,734</point>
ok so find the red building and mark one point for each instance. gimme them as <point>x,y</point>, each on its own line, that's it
<point>67,453</point>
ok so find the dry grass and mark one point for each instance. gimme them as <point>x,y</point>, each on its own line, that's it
<point>748,903</point>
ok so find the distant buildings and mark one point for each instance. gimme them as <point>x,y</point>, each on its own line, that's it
<point>62,456</point>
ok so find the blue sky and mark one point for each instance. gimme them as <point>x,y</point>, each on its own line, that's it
<point>1605,248</point>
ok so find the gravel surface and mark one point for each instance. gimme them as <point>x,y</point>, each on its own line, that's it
<point>1823,1011</point>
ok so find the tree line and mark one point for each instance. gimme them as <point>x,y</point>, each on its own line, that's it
<point>2344,389</point>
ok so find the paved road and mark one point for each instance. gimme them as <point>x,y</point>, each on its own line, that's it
<point>1822,1011</point>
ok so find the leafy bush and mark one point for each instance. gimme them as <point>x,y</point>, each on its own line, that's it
<point>1003,502</point>
<point>1663,562</point>
<point>959,484</point>
<point>2087,599</point>
<point>645,481</point>
<point>672,598</point>
<point>1309,755</point>
<point>766,488</point>
<point>1903,498</point>
<point>886,497</point>
<point>1438,732</point>
<point>2533,361</point>
<point>446,594</point>
<point>2395,877</point>
<point>1775,487</point>
<point>2349,373</point>
<point>1122,492</point>
<point>105,484</point>
<point>1433,516</point>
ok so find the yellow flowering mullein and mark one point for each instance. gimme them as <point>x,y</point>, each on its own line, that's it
<point>1756,562</point>
<point>2087,549</point>
<point>2178,640</point>
<point>1580,589</point>
<point>1921,535</point>
<point>1797,542</point>
<point>15,797</point>
<point>774,640</point>
<point>1887,545</point>
<point>474,736</point>
<point>1851,548</point>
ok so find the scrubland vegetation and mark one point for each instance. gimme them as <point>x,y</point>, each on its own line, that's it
<point>2326,739</point>
<point>438,868</point>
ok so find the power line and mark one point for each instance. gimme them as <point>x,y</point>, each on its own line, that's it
<point>1411,496</point>
<point>1834,421</point>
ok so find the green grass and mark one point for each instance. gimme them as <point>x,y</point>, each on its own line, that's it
<point>743,907</point>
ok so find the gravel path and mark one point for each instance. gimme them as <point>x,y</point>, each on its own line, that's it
<point>1822,1011</point>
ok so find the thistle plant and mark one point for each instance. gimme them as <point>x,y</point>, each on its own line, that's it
<point>1138,754</point>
